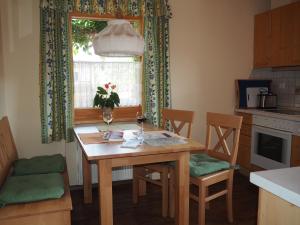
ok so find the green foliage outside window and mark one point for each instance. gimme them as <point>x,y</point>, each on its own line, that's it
<point>83,31</point>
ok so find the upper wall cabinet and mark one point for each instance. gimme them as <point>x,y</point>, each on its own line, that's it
<point>262,40</point>
<point>277,37</point>
<point>296,35</point>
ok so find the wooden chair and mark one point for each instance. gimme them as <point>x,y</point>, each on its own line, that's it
<point>232,124</point>
<point>142,174</point>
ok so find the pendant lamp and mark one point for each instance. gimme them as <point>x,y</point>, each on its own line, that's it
<point>118,39</point>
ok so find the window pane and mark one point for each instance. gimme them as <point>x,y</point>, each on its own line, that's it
<point>90,75</point>
<point>91,71</point>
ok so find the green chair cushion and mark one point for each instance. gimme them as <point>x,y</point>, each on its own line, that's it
<point>40,165</point>
<point>30,188</point>
<point>202,164</point>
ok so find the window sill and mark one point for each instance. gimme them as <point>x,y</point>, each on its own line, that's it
<point>94,115</point>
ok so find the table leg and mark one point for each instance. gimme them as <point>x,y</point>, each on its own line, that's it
<point>105,191</point>
<point>87,181</point>
<point>183,182</point>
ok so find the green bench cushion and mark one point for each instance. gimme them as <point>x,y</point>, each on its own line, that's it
<point>40,165</point>
<point>202,164</point>
<point>30,188</point>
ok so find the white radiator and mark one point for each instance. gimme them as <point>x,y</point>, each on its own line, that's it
<point>119,173</point>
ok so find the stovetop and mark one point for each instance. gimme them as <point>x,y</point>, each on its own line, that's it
<point>279,119</point>
<point>283,111</point>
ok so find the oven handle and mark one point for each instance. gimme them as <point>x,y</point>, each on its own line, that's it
<point>271,131</point>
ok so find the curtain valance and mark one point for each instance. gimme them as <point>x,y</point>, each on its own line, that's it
<point>151,8</point>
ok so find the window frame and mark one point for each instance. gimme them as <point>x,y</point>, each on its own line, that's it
<point>94,115</point>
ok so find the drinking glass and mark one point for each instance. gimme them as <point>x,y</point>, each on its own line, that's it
<point>107,116</point>
<point>141,118</point>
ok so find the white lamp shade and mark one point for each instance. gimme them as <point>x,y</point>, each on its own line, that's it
<point>118,39</point>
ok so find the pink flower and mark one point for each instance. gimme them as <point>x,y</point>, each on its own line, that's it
<point>113,86</point>
<point>106,86</point>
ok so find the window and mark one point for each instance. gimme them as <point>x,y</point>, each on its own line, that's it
<point>91,71</point>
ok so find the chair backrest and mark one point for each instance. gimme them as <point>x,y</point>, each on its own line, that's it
<point>182,116</point>
<point>126,113</point>
<point>229,124</point>
<point>8,151</point>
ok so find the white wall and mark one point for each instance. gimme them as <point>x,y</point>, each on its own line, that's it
<point>211,45</point>
<point>20,33</point>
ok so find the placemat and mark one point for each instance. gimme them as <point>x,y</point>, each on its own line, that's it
<point>92,138</point>
<point>165,141</point>
<point>118,127</point>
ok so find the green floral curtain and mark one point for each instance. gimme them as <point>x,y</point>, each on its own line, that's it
<point>56,85</point>
<point>156,59</point>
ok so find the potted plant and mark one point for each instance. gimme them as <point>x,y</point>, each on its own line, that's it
<point>106,98</point>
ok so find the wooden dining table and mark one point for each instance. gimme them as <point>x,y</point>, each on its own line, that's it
<point>110,155</point>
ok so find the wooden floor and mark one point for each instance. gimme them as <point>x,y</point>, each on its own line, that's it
<point>148,211</point>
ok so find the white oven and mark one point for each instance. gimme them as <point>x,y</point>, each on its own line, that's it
<point>271,141</point>
<point>271,148</point>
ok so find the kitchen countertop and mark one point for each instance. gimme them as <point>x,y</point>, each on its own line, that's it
<point>284,183</point>
<point>270,114</point>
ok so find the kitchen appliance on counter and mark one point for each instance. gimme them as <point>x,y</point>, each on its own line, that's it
<point>267,100</point>
<point>271,141</point>
<point>247,92</point>
<point>253,96</point>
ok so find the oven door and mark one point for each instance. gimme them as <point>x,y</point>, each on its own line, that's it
<point>270,148</point>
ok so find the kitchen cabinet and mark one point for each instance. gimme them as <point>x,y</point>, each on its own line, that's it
<point>279,196</point>
<point>295,153</point>
<point>277,37</point>
<point>262,40</point>
<point>244,152</point>
<point>296,35</point>
<point>285,35</point>
<point>275,56</point>
<point>274,210</point>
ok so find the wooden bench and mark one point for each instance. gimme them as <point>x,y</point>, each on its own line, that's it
<point>46,212</point>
